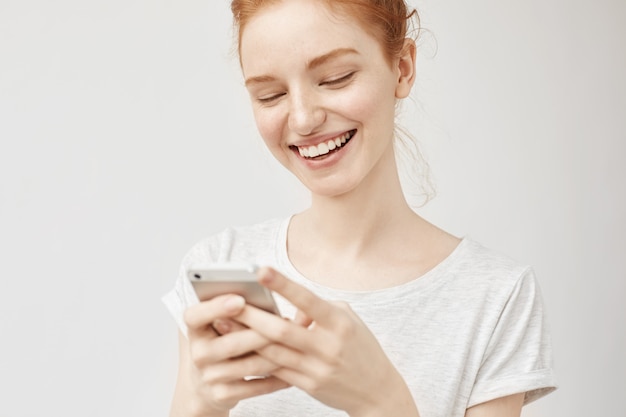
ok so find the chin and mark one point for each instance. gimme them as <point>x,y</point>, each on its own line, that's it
<point>324,190</point>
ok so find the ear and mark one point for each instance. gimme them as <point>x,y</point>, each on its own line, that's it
<point>406,69</point>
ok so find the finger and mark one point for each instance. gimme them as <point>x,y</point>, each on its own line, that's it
<point>279,330</point>
<point>296,368</point>
<point>224,326</point>
<point>296,378</point>
<point>224,396</point>
<point>284,357</point>
<point>198,317</point>
<point>248,367</point>
<point>302,319</point>
<point>310,304</point>
<point>205,351</point>
<point>239,390</point>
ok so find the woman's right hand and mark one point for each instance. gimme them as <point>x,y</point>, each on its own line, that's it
<point>213,367</point>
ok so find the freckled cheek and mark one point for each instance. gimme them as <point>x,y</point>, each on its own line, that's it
<point>361,105</point>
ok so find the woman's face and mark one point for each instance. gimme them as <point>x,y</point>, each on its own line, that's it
<point>323,94</point>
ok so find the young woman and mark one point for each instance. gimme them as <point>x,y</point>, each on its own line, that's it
<point>385,314</point>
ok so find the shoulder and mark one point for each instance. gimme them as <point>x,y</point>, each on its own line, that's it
<point>478,269</point>
<point>474,258</point>
<point>236,243</point>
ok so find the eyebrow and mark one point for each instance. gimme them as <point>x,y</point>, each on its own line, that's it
<point>314,63</point>
<point>334,54</point>
<point>260,79</point>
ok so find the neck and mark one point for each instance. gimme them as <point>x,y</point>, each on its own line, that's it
<point>365,239</point>
<point>351,221</point>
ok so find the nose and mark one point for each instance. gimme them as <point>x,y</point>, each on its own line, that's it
<point>305,113</point>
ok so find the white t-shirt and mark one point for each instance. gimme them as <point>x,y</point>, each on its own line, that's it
<point>470,330</point>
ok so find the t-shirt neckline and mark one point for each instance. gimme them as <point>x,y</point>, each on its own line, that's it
<point>424,282</point>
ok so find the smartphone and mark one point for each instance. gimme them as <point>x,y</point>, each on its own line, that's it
<point>212,280</point>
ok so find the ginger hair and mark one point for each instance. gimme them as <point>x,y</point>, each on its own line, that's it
<point>388,21</point>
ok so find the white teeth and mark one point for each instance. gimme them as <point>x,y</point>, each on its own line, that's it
<point>304,152</point>
<point>324,147</point>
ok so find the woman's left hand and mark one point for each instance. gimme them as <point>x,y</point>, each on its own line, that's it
<point>334,357</point>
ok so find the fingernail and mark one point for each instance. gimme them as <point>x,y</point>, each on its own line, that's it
<point>265,275</point>
<point>222,326</point>
<point>234,303</point>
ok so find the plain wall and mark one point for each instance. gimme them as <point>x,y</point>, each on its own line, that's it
<point>126,136</point>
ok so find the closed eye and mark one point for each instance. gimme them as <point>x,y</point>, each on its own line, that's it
<point>339,81</point>
<point>269,99</point>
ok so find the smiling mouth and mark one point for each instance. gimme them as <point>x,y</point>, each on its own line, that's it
<point>325,148</point>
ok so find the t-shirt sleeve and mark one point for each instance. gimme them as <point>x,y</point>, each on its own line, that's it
<point>518,357</point>
<point>247,244</point>
<point>179,298</point>
<point>182,295</point>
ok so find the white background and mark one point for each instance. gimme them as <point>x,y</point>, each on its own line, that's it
<point>126,136</point>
